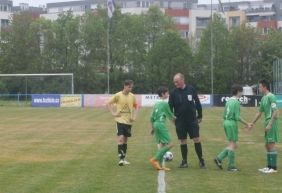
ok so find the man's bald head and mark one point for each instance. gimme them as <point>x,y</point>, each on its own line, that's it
<point>179,80</point>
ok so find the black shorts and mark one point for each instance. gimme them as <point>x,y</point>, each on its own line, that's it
<point>123,129</point>
<point>187,127</point>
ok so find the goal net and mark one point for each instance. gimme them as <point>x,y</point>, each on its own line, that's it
<point>20,87</point>
<point>277,76</point>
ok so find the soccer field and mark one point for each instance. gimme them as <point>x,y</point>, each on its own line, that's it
<point>73,150</point>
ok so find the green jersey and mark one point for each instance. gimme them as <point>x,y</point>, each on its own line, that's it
<point>268,105</point>
<point>232,109</point>
<point>161,110</point>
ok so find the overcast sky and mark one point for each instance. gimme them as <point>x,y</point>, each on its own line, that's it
<point>43,2</point>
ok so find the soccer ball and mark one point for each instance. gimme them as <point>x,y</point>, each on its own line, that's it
<point>168,156</point>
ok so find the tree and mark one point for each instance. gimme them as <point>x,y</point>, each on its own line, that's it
<point>92,69</point>
<point>270,48</point>
<point>20,52</point>
<point>170,55</point>
<point>245,49</point>
<point>222,57</point>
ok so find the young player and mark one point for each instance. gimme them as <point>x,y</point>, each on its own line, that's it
<point>231,117</point>
<point>268,106</point>
<point>161,111</point>
<point>123,107</point>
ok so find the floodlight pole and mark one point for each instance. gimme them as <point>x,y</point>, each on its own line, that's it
<point>211,59</point>
<point>108,57</point>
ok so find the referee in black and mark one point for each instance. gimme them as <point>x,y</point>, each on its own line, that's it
<point>185,104</point>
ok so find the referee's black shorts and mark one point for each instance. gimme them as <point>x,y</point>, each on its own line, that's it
<point>187,127</point>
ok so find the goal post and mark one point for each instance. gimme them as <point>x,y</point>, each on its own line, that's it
<point>40,77</point>
<point>277,76</point>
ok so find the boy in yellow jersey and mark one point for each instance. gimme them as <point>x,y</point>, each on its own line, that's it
<point>268,106</point>
<point>123,107</point>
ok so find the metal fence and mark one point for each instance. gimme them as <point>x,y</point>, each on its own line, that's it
<point>15,99</point>
<point>277,76</point>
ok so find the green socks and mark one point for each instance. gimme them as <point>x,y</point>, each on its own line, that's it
<point>231,159</point>
<point>222,154</point>
<point>160,154</point>
<point>272,159</point>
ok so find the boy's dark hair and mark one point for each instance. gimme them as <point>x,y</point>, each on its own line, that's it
<point>128,82</point>
<point>235,89</point>
<point>265,83</point>
<point>162,90</point>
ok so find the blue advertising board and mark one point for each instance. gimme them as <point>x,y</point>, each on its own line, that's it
<point>46,100</point>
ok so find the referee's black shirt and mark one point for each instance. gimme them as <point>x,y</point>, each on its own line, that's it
<point>185,103</point>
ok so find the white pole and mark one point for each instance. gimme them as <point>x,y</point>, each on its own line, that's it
<point>211,51</point>
<point>25,88</point>
<point>72,85</point>
<point>108,57</point>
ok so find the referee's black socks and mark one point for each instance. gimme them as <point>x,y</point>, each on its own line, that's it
<point>184,151</point>
<point>198,149</point>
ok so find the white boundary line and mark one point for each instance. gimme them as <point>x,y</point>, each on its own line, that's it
<point>161,178</point>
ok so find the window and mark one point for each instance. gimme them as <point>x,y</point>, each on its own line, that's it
<point>4,23</point>
<point>184,34</point>
<point>162,4</point>
<point>138,4</point>
<point>83,7</point>
<point>123,5</point>
<point>202,22</point>
<point>169,5</point>
<point>176,19</point>
<point>234,21</point>
<point>265,31</point>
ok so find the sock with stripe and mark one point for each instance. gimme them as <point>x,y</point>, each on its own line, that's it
<point>231,159</point>
<point>160,154</point>
<point>222,154</point>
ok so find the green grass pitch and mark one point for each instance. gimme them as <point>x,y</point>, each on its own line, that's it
<point>73,150</point>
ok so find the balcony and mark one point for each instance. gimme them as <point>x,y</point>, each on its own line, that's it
<point>262,11</point>
<point>202,22</point>
<point>177,12</point>
<point>268,24</point>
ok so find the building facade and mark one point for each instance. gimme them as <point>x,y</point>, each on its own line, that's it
<point>5,13</point>
<point>190,17</point>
